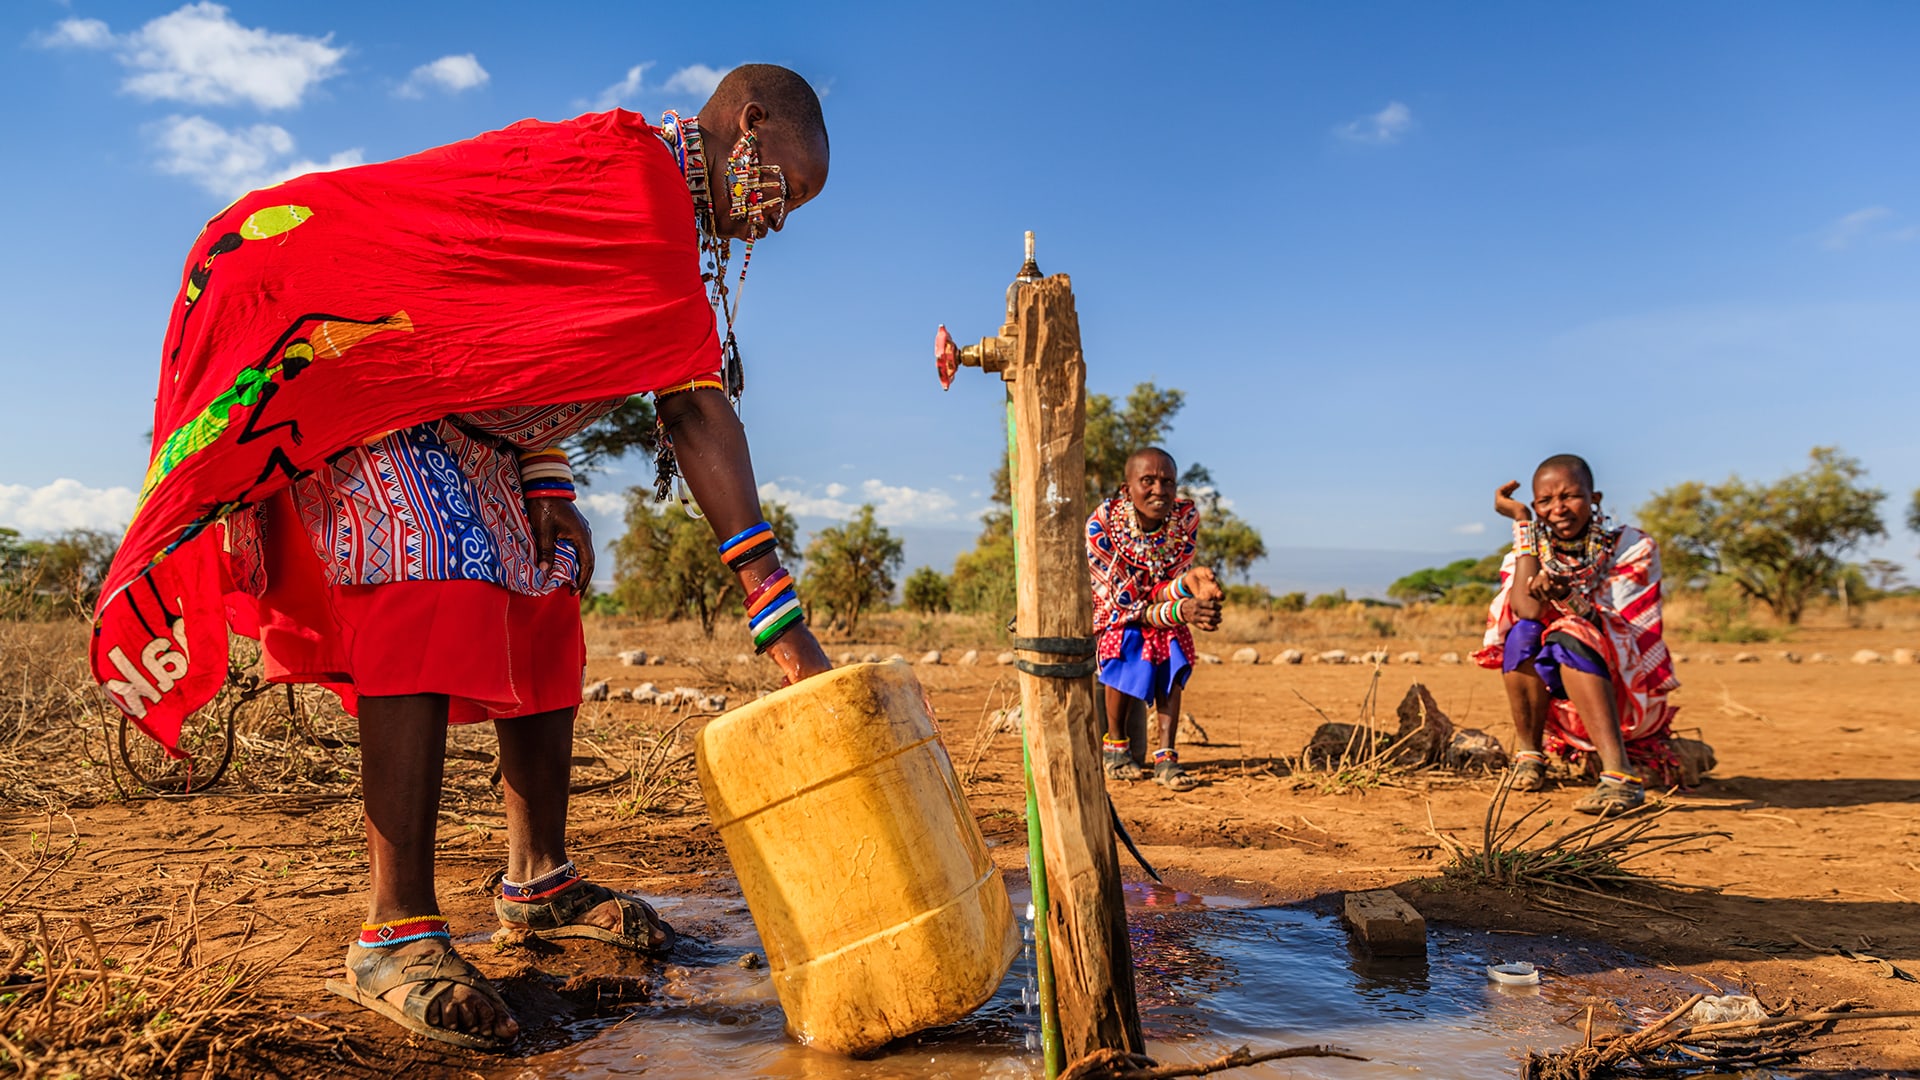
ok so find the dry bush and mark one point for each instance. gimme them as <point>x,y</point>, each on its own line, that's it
<point>118,1000</point>
<point>1416,626</point>
<point>54,719</point>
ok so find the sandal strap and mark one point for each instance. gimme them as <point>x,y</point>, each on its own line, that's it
<point>376,971</point>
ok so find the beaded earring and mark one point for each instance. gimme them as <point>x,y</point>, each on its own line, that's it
<point>754,191</point>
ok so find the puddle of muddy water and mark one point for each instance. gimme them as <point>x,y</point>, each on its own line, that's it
<point>1213,974</point>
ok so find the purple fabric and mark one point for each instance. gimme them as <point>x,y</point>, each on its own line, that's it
<point>1528,640</point>
<point>1135,676</point>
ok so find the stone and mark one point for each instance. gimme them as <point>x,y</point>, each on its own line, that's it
<point>1005,659</point>
<point>646,688</point>
<point>688,693</point>
<point>1334,743</point>
<point>1290,656</point>
<point>1331,656</point>
<point>1449,657</point>
<point>1710,658</point>
<point>845,658</point>
<point>656,661</point>
<point>1820,658</point>
<point>1679,658</point>
<point>1903,656</point>
<point>1790,656</point>
<point>1385,924</point>
<point>595,691</point>
<point>647,697</point>
<point>970,658</point>
<point>1407,658</point>
<point>1746,658</point>
<point>931,656</point>
<point>715,703</point>
<point>750,961</point>
<point>1246,656</point>
<point>1009,719</point>
<point>1377,656</point>
<point>1208,658</point>
<point>1868,656</point>
<point>870,658</point>
<point>634,658</point>
<point>896,658</point>
<point>1696,760</point>
<point>1425,732</point>
<point>1473,750</point>
<point>742,658</point>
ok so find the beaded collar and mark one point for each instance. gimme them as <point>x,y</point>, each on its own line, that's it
<point>1582,563</point>
<point>1154,551</point>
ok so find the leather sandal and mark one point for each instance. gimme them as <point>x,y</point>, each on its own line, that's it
<point>372,972</point>
<point>557,917</point>
<point>1117,759</point>
<point>1168,773</point>
<point>1617,793</point>
<point>1529,771</point>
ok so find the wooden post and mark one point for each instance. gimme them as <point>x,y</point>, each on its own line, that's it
<point>1047,383</point>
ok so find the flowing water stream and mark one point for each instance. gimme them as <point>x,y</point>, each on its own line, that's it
<point>1214,973</point>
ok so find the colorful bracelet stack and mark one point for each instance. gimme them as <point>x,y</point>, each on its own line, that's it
<point>747,545</point>
<point>773,607</point>
<point>401,931</point>
<point>546,885</point>
<point>1175,589</point>
<point>1166,614</point>
<point>1526,539</point>
<point>545,474</point>
<point>705,382</point>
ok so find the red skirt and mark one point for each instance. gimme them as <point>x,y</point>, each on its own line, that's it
<point>494,653</point>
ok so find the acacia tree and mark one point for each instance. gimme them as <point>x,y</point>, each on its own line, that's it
<point>1780,543</point>
<point>59,576</point>
<point>926,591</point>
<point>850,568</point>
<point>1913,513</point>
<point>665,566</point>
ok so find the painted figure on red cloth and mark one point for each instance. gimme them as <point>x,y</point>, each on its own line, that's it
<point>1576,632</point>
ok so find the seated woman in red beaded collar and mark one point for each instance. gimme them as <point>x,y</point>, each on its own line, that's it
<point>1576,632</point>
<point>1146,594</point>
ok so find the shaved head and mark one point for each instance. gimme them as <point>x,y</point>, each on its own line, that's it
<point>1150,454</point>
<point>790,102</point>
<point>1573,464</point>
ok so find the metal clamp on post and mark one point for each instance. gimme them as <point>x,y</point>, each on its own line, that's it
<point>1080,647</point>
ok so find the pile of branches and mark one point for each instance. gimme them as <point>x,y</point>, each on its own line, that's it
<point>1583,859</point>
<point>1664,1049</point>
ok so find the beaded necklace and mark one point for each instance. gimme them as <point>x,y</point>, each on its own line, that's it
<point>1580,563</point>
<point>682,136</point>
<point>1152,551</point>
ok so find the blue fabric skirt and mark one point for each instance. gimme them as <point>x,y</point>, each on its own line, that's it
<point>1134,675</point>
<point>1550,652</point>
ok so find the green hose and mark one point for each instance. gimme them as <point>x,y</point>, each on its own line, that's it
<point>1050,1048</point>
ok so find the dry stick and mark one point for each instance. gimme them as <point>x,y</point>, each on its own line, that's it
<point>1236,1059</point>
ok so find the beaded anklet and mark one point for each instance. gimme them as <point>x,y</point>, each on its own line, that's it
<point>1166,754</point>
<point>547,884</point>
<point>1108,742</point>
<point>401,931</point>
<point>1529,755</point>
<point>1621,778</point>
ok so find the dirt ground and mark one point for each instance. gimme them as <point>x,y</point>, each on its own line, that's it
<point>1817,789</point>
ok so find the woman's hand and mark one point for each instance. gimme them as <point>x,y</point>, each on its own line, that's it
<point>1203,585</point>
<point>1546,588</point>
<point>1202,614</point>
<point>554,520</point>
<point>1507,506</point>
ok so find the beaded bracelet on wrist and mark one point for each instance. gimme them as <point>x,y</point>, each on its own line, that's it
<point>1526,539</point>
<point>747,545</point>
<point>546,474</point>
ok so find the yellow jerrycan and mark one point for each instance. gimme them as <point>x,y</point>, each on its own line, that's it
<point>868,879</point>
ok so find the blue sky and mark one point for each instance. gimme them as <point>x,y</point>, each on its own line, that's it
<point>1394,253</point>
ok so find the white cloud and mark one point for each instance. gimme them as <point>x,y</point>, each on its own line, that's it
<point>693,83</point>
<point>77,34</point>
<point>229,163</point>
<point>65,504</point>
<point>696,79</point>
<point>624,90</point>
<point>1873,223</point>
<point>892,504</point>
<point>1471,528</point>
<point>450,74</point>
<point>199,54</point>
<point>1379,129</point>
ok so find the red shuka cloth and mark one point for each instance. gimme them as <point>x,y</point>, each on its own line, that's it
<point>539,264</point>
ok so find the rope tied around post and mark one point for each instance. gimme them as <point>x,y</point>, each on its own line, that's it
<point>1082,648</point>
